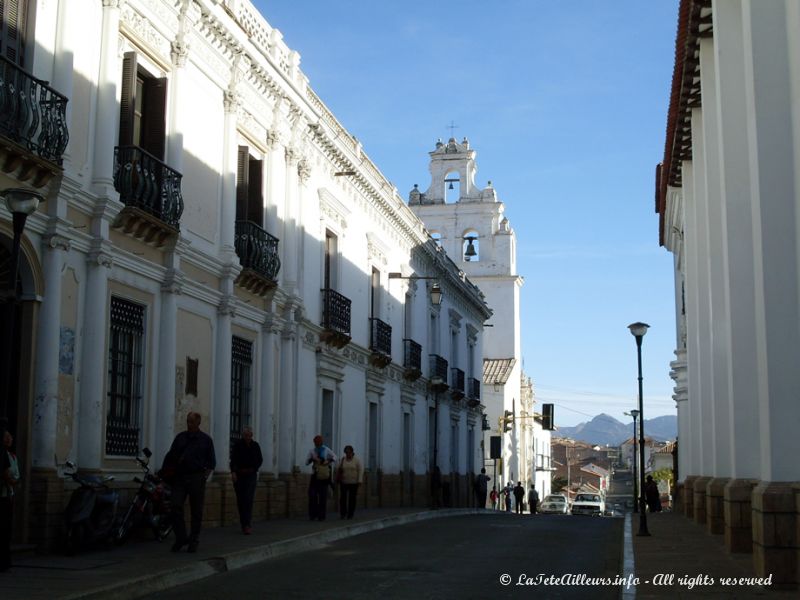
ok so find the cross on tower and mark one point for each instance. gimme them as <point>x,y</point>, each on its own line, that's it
<point>452,127</point>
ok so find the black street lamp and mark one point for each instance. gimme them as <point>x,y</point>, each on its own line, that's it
<point>634,413</point>
<point>638,330</point>
<point>21,203</point>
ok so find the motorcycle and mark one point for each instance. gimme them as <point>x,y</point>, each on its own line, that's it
<point>150,505</point>
<point>91,512</point>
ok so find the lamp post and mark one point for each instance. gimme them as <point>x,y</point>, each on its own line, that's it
<point>634,413</point>
<point>21,203</point>
<point>638,330</point>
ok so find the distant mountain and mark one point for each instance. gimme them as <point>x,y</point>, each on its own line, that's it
<point>605,429</point>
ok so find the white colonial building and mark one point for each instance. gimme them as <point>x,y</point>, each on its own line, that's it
<point>468,222</point>
<point>211,239</point>
<point>728,196</point>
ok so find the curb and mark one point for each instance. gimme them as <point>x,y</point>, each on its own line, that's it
<point>144,585</point>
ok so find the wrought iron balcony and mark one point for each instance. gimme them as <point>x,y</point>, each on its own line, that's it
<point>258,255</point>
<point>148,186</point>
<point>380,342</point>
<point>412,359</point>
<point>335,318</point>
<point>437,370</point>
<point>33,118</point>
<point>457,383</point>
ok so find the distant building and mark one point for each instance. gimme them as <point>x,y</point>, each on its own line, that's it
<point>467,221</point>
<point>728,199</point>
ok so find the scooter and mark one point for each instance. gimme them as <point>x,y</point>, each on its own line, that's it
<point>91,512</point>
<point>150,506</point>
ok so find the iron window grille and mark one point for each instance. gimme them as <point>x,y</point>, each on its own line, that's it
<point>380,336</point>
<point>125,377</point>
<point>412,354</point>
<point>241,369</point>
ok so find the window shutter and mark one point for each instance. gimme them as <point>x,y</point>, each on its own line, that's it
<point>255,210</point>
<point>127,100</point>
<point>12,30</point>
<point>155,117</point>
<point>242,183</point>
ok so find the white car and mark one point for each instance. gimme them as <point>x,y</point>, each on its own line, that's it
<point>588,504</point>
<point>554,503</point>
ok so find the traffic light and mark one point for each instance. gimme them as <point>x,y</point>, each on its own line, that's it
<point>547,417</point>
<point>508,419</point>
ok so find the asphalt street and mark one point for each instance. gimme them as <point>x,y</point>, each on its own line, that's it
<point>497,556</point>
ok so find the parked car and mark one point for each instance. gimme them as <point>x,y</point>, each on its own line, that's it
<point>588,504</point>
<point>554,503</point>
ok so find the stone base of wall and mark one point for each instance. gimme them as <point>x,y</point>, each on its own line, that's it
<point>737,509</point>
<point>715,505</point>
<point>775,532</point>
<point>700,485</point>
<point>688,496</point>
<point>677,497</point>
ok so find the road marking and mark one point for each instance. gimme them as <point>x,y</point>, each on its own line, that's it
<point>628,570</point>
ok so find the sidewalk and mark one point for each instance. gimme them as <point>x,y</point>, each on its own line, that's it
<point>680,547</point>
<point>143,568</point>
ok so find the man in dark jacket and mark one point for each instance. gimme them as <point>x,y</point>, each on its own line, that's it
<point>519,497</point>
<point>192,459</point>
<point>245,461</point>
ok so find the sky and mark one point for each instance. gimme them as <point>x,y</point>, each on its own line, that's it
<point>565,104</point>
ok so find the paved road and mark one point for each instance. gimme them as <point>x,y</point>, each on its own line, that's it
<point>458,557</point>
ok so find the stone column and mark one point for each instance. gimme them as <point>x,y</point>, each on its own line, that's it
<point>229,158</point>
<point>267,423</point>
<point>772,98</point>
<point>737,228</point>
<point>45,409</point>
<point>290,260</point>
<point>287,418</point>
<point>94,362</point>
<point>220,408</point>
<point>107,114</point>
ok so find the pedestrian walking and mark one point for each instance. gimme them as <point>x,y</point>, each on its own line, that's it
<point>350,474</point>
<point>189,462</point>
<point>507,496</point>
<point>533,499</point>
<point>652,495</point>
<point>519,497</point>
<point>322,459</point>
<point>481,485</point>
<point>9,479</point>
<point>493,496</point>
<point>245,461</point>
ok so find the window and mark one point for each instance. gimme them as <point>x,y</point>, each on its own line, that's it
<point>436,237</point>
<point>375,294</point>
<point>452,190</point>
<point>249,186</point>
<point>326,425</point>
<point>241,386</point>
<point>408,315</point>
<point>143,107</point>
<point>125,377</point>
<point>331,252</point>
<point>13,26</point>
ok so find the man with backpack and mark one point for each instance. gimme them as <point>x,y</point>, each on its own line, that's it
<point>321,458</point>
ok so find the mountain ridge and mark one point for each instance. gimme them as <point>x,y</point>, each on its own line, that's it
<point>606,430</point>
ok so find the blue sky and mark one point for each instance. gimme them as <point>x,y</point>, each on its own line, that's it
<point>565,104</point>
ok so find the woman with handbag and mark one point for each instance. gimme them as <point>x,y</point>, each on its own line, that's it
<point>349,475</point>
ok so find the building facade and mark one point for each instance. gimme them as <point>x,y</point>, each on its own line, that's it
<point>211,239</point>
<point>468,223</point>
<point>728,197</point>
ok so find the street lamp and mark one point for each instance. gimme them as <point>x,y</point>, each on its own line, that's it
<point>21,203</point>
<point>436,289</point>
<point>638,330</point>
<point>634,413</point>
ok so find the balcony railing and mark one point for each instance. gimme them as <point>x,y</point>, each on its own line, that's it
<point>474,388</point>
<point>457,382</point>
<point>380,337</point>
<point>32,114</point>
<point>437,367</point>
<point>257,249</point>
<point>412,357</point>
<point>146,183</point>
<point>336,316</point>
<point>122,439</point>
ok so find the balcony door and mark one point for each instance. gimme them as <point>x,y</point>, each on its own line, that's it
<point>13,30</point>
<point>249,185</point>
<point>143,107</point>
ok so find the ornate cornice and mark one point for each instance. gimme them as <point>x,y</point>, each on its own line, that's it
<point>227,307</point>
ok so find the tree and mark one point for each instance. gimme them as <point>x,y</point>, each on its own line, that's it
<point>558,483</point>
<point>664,474</point>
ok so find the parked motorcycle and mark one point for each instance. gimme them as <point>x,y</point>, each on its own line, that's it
<point>91,512</point>
<point>150,506</point>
